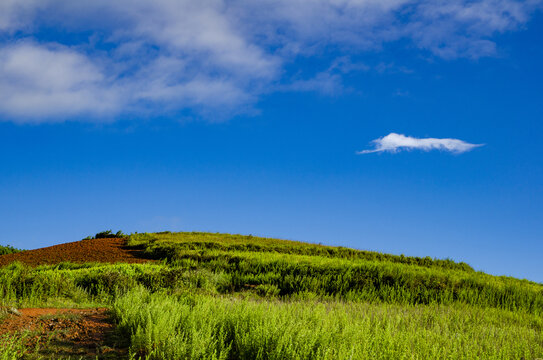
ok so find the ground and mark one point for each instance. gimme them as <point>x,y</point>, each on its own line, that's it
<point>95,250</point>
<point>66,333</point>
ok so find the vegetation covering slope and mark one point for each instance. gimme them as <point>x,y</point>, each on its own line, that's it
<point>220,296</point>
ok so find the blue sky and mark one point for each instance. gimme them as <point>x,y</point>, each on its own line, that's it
<point>253,117</point>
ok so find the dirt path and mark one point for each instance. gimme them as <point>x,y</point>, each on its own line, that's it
<point>96,250</point>
<point>63,333</point>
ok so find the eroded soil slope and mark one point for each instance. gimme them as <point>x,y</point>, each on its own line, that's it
<point>96,250</point>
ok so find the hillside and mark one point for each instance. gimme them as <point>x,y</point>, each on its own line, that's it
<point>221,296</point>
<point>108,250</point>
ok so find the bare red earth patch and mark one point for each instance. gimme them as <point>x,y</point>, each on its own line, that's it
<point>85,333</point>
<point>110,250</point>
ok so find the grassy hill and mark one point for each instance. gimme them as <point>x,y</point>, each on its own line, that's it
<point>221,296</point>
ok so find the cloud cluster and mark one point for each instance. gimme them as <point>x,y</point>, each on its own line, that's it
<point>214,56</point>
<point>53,80</point>
<point>397,142</point>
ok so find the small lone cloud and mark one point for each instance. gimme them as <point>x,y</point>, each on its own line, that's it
<point>397,142</point>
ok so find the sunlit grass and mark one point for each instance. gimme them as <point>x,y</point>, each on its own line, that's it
<point>205,327</point>
<point>220,296</point>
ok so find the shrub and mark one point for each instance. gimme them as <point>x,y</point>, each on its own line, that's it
<point>8,249</point>
<point>105,235</point>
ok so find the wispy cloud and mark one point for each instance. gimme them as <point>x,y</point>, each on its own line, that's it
<point>218,55</point>
<point>397,142</point>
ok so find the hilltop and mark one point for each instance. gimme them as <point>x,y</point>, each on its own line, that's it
<point>193,295</point>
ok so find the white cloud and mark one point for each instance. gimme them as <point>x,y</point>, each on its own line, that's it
<point>51,82</point>
<point>217,55</point>
<point>449,29</point>
<point>15,14</point>
<point>397,142</point>
<point>325,83</point>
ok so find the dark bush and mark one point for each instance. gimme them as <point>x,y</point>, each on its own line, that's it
<point>111,282</point>
<point>105,235</point>
<point>8,249</point>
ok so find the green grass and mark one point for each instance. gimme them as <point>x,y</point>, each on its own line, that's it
<point>11,347</point>
<point>170,245</point>
<point>294,269</point>
<point>14,347</point>
<point>242,297</point>
<point>205,327</point>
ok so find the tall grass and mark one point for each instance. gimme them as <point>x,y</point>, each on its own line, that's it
<point>215,296</point>
<point>290,272</point>
<point>12,347</point>
<point>167,245</point>
<point>293,277</point>
<point>205,327</point>
<point>84,285</point>
<point>67,284</point>
<point>267,274</point>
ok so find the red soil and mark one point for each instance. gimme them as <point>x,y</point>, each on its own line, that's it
<point>37,320</point>
<point>110,250</point>
<point>70,332</point>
